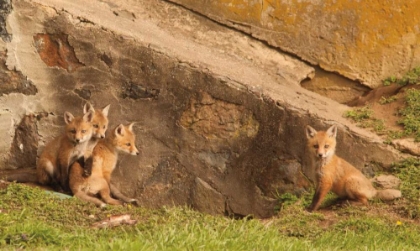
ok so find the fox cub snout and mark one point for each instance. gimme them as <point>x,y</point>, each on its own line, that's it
<point>337,175</point>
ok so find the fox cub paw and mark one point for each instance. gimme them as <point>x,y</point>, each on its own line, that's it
<point>86,165</point>
<point>86,173</point>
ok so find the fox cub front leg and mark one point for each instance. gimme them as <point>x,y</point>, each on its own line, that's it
<point>321,191</point>
<point>87,166</point>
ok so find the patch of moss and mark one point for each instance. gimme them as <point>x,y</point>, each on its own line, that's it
<point>359,114</point>
<point>388,100</point>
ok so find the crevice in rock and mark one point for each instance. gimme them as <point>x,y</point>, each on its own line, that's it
<point>106,59</point>
<point>137,91</point>
<point>334,86</point>
<point>83,93</point>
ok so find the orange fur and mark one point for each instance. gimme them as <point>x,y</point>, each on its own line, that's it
<point>61,152</point>
<point>334,173</point>
<point>103,160</point>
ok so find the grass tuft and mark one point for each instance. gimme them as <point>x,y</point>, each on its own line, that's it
<point>364,118</point>
<point>411,77</point>
<point>388,100</point>
<point>411,114</point>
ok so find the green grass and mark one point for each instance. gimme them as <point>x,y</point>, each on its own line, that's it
<point>33,220</point>
<point>408,171</point>
<point>388,100</point>
<point>359,114</point>
<point>411,114</point>
<point>363,116</point>
<point>411,77</point>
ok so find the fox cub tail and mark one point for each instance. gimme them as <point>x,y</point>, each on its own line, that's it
<point>388,194</point>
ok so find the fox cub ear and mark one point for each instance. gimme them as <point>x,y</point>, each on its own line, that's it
<point>87,107</point>
<point>310,132</point>
<point>88,117</point>
<point>119,130</point>
<point>332,131</point>
<point>105,110</point>
<point>130,126</point>
<point>68,117</point>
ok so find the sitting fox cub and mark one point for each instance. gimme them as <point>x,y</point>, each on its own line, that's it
<point>59,154</point>
<point>100,125</point>
<point>103,161</point>
<point>337,175</point>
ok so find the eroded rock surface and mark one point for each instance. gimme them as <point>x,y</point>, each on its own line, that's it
<point>55,50</point>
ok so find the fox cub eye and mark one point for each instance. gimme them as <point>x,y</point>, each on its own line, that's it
<point>96,126</point>
<point>316,146</point>
<point>83,131</point>
<point>326,146</point>
<point>73,131</point>
<point>128,144</point>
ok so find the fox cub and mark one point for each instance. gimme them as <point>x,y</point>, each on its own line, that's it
<point>337,175</point>
<point>100,125</point>
<point>61,152</point>
<point>103,162</point>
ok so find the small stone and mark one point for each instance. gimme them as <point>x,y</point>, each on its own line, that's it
<point>407,145</point>
<point>386,181</point>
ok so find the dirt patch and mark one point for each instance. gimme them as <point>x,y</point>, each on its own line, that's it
<point>385,102</point>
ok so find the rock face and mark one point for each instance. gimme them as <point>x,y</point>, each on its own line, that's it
<point>367,42</point>
<point>220,117</point>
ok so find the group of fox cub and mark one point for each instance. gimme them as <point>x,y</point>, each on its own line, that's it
<point>82,159</point>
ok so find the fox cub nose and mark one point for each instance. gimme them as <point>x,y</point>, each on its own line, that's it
<point>320,154</point>
<point>77,140</point>
<point>102,136</point>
